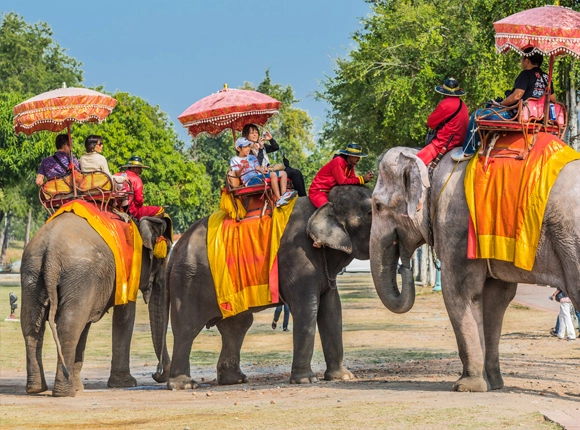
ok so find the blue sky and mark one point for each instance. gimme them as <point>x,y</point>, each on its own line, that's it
<point>174,52</point>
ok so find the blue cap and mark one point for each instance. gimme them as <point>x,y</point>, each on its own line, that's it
<point>242,141</point>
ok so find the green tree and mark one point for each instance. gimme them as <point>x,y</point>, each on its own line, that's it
<point>31,62</point>
<point>382,92</point>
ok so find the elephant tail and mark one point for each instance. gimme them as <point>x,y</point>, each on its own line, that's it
<point>53,300</point>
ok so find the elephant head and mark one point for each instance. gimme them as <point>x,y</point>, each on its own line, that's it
<point>344,223</point>
<point>400,225</point>
<point>152,285</point>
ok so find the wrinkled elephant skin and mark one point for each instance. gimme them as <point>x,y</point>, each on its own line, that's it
<point>475,301</point>
<point>68,277</point>
<point>343,226</point>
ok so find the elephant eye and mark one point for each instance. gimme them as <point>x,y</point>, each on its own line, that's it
<point>378,206</point>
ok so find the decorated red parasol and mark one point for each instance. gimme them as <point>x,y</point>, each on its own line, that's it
<point>57,109</point>
<point>550,30</point>
<point>228,109</point>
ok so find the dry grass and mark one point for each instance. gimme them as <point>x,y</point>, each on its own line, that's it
<point>405,366</point>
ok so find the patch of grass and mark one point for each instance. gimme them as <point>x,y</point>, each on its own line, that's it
<point>375,356</point>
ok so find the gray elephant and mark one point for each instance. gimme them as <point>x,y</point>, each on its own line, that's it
<point>307,283</point>
<point>476,292</point>
<point>68,278</point>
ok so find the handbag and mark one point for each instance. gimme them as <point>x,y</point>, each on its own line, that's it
<point>432,133</point>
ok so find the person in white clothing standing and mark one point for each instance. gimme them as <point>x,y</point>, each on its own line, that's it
<point>564,317</point>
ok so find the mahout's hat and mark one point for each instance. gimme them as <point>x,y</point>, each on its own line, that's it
<point>135,161</point>
<point>353,149</point>
<point>450,88</point>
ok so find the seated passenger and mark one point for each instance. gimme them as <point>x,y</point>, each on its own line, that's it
<point>339,171</point>
<point>531,82</point>
<point>133,175</point>
<point>449,120</point>
<point>251,173</point>
<point>92,160</point>
<point>261,149</point>
<point>58,164</point>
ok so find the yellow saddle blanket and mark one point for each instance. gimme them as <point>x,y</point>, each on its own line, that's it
<point>243,258</point>
<point>507,198</point>
<point>123,239</point>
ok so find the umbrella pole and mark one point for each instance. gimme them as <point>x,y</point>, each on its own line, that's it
<point>547,94</point>
<point>234,133</point>
<point>72,166</point>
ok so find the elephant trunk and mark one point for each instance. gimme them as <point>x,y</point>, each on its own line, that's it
<point>158,319</point>
<point>384,260</point>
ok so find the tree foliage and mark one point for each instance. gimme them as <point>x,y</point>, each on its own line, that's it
<point>31,62</point>
<point>382,92</point>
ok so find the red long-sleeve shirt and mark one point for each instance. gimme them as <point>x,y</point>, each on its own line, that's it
<point>336,172</point>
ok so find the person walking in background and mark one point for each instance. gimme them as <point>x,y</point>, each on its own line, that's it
<point>277,313</point>
<point>564,317</point>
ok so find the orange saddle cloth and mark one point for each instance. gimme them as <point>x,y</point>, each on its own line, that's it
<point>243,258</point>
<point>507,197</point>
<point>122,238</point>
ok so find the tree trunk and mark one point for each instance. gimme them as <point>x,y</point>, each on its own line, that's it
<point>424,261</point>
<point>28,225</point>
<point>573,113</point>
<point>6,235</point>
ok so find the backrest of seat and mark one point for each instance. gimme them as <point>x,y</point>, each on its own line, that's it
<point>57,186</point>
<point>95,181</point>
<point>532,109</point>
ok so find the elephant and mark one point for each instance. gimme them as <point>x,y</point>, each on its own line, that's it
<point>307,283</point>
<point>476,292</point>
<point>68,279</point>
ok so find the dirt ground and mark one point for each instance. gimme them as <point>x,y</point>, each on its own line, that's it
<point>405,367</point>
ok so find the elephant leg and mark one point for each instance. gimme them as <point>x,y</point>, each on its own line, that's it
<point>80,358</point>
<point>330,330</point>
<point>304,311</point>
<point>233,331</point>
<point>185,325</point>
<point>497,296</point>
<point>462,294</point>
<point>34,338</point>
<point>123,322</point>
<point>70,329</point>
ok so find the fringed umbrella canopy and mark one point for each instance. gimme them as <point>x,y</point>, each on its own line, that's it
<point>228,109</point>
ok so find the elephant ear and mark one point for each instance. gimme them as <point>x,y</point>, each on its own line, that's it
<point>150,228</point>
<point>415,181</point>
<point>323,227</point>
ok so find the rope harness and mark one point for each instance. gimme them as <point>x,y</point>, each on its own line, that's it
<point>331,281</point>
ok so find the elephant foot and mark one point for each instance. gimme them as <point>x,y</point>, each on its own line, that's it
<point>181,383</point>
<point>36,387</point>
<point>63,390</point>
<point>77,384</point>
<point>121,380</point>
<point>495,381</point>
<point>305,377</point>
<point>231,377</point>
<point>339,374</point>
<point>471,384</point>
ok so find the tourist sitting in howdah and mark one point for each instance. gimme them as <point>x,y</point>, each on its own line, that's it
<point>530,83</point>
<point>251,173</point>
<point>136,208</point>
<point>261,149</point>
<point>57,164</point>
<point>93,160</point>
